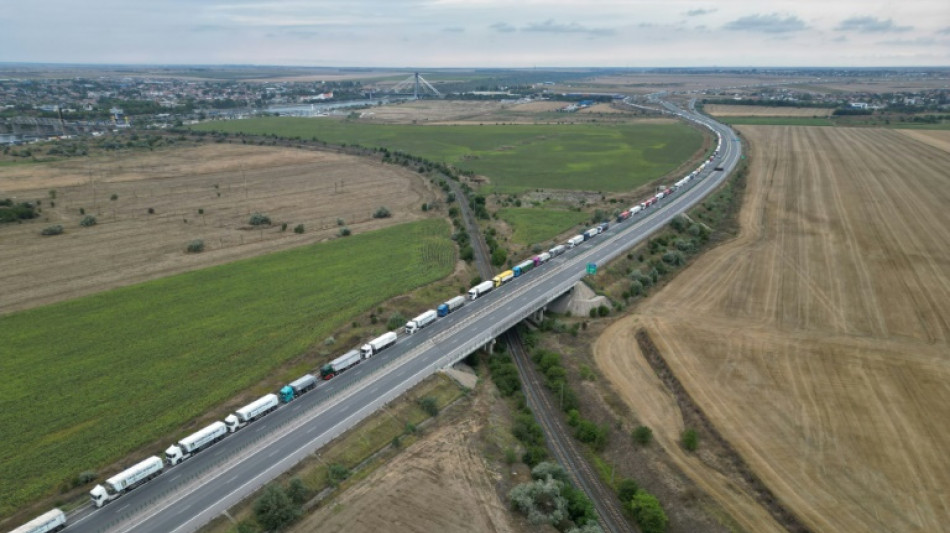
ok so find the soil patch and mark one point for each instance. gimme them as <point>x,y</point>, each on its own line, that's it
<point>206,193</point>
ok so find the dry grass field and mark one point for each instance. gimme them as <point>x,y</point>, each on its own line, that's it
<point>818,341</point>
<point>936,138</point>
<point>129,245</point>
<point>720,110</point>
<point>435,111</point>
<point>441,483</point>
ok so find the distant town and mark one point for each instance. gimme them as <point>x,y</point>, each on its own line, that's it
<point>37,108</point>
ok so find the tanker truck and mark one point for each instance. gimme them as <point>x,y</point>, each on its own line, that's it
<point>126,480</point>
<point>251,412</point>
<point>297,387</point>
<point>49,521</point>
<point>195,442</point>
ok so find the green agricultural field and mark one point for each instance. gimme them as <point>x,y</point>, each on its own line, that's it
<point>515,157</point>
<point>536,226</point>
<point>776,121</point>
<point>87,381</point>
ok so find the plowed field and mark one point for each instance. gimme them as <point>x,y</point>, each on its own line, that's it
<point>228,183</point>
<point>721,110</point>
<point>818,341</point>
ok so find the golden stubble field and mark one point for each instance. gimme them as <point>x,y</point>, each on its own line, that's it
<point>721,110</point>
<point>818,341</point>
<point>227,182</point>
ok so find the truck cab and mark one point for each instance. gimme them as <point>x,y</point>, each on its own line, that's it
<point>286,394</point>
<point>99,496</point>
<point>174,455</point>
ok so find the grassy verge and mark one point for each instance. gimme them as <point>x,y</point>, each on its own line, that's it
<point>535,225</point>
<point>89,380</point>
<point>515,157</point>
<point>355,455</point>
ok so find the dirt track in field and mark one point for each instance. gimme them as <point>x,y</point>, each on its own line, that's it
<point>818,341</point>
<point>722,110</point>
<point>128,245</point>
<point>441,483</point>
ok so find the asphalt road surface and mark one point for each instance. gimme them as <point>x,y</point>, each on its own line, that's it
<point>187,496</point>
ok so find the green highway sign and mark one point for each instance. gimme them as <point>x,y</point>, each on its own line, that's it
<point>591,268</point>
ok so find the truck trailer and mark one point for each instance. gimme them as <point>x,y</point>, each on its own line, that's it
<point>557,250</point>
<point>450,305</point>
<point>49,521</point>
<point>338,365</point>
<point>575,240</point>
<point>523,267</point>
<point>378,344</point>
<point>481,289</point>
<point>297,387</point>
<point>251,412</point>
<point>126,480</point>
<point>589,234</point>
<point>195,442</point>
<point>421,321</point>
<point>503,278</point>
<point>541,259</point>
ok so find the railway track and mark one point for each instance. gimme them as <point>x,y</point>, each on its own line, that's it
<point>556,434</point>
<point>561,443</point>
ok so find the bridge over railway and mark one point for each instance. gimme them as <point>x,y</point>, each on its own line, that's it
<point>189,495</point>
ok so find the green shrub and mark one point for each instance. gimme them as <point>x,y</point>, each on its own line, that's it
<point>53,230</point>
<point>299,229</point>
<point>382,212</point>
<point>648,513</point>
<point>690,439</point>
<point>88,221</point>
<point>592,434</point>
<point>196,246</point>
<point>642,435</point>
<point>626,489</point>
<point>259,219</point>
<point>396,321</point>
<point>429,405</point>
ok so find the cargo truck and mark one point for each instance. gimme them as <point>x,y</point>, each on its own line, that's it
<point>589,234</point>
<point>378,344</point>
<point>338,365</point>
<point>557,250</point>
<point>421,321</point>
<point>49,521</point>
<point>251,412</point>
<point>195,442</point>
<point>296,388</point>
<point>541,259</point>
<point>624,215</point>
<point>503,278</point>
<point>575,240</point>
<point>126,480</point>
<point>481,289</point>
<point>602,227</point>
<point>523,268</point>
<point>450,305</point>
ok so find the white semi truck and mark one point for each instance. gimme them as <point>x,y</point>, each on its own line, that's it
<point>421,321</point>
<point>126,480</point>
<point>378,344</point>
<point>251,412</point>
<point>481,289</point>
<point>49,521</point>
<point>575,240</point>
<point>195,442</point>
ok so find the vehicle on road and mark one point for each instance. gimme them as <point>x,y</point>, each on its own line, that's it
<point>338,365</point>
<point>251,412</point>
<point>126,480</point>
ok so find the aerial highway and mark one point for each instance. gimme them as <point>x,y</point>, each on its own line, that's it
<point>187,496</point>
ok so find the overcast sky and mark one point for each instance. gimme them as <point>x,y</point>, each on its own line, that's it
<point>479,33</point>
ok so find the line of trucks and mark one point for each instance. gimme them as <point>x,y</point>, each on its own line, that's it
<point>151,467</point>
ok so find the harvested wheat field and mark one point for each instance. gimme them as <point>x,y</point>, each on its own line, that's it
<point>818,341</point>
<point>721,110</point>
<point>431,111</point>
<point>129,245</point>
<point>441,483</point>
<point>936,138</point>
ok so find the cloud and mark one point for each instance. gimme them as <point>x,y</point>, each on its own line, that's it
<point>700,11</point>
<point>840,39</point>
<point>454,29</point>
<point>773,23</point>
<point>944,31</point>
<point>919,41</point>
<point>503,27</point>
<point>870,25</point>
<point>549,26</point>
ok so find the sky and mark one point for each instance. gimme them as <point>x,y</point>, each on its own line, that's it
<point>479,33</point>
